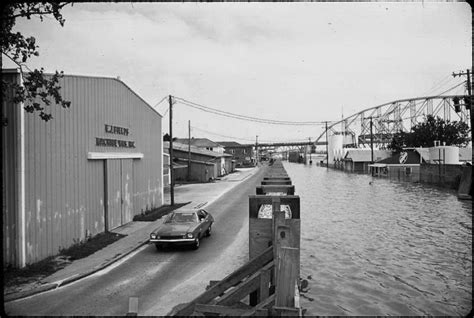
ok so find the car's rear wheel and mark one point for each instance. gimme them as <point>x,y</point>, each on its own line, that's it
<point>209,230</point>
<point>196,243</point>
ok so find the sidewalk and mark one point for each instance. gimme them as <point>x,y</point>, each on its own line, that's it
<point>137,233</point>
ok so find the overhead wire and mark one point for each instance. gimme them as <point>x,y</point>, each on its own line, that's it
<point>435,87</point>
<point>244,139</point>
<point>450,89</point>
<point>242,117</point>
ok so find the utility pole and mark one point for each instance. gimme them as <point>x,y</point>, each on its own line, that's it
<point>189,150</point>
<point>371,143</point>
<point>256,150</point>
<point>171,152</point>
<point>468,100</point>
<point>310,149</point>
<point>327,151</point>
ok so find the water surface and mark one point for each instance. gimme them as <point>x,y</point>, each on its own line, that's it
<point>386,248</point>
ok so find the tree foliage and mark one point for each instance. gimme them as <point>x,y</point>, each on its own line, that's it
<point>424,134</point>
<point>37,86</point>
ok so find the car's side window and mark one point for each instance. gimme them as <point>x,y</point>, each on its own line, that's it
<point>201,215</point>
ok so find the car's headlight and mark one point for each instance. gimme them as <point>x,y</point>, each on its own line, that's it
<point>189,235</point>
<point>153,236</point>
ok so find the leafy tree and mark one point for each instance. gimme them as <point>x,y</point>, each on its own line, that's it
<point>166,137</point>
<point>37,86</point>
<point>423,134</point>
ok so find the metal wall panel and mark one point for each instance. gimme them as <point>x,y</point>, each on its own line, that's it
<point>127,190</point>
<point>114,194</point>
<point>9,193</point>
<point>64,190</point>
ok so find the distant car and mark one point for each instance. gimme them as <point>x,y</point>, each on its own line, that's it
<point>183,227</point>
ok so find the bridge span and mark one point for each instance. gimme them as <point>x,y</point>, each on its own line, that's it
<point>379,123</point>
<point>387,119</point>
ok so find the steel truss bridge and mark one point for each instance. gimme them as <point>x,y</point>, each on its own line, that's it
<point>387,119</point>
<point>390,118</point>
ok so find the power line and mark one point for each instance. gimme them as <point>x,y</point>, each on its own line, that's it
<point>244,139</point>
<point>161,101</point>
<point>243,117</point>
<point>439,84</point>
<point>450,89</point>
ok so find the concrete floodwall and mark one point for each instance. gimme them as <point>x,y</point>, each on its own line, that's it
<point>447,176</point>
<point>465,185</point>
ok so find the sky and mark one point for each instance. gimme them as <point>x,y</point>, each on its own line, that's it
<point>295,62</point>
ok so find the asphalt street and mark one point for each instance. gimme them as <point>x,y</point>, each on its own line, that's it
<point>161,279</point>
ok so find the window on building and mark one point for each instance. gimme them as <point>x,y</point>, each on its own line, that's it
<point>232,151</point>
<point>408,171</point>
<point>245,151</point>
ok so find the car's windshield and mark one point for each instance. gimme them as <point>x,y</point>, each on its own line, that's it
<point>182,217</point>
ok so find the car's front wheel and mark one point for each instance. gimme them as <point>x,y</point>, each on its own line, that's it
<point>209,230</point>
<point>196,243</point>
<point>158,246</point>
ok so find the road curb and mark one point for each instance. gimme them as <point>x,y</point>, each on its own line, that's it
<point>27,293</point>
<point>64,282</point>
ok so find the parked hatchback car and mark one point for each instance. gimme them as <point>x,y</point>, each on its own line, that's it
<point>183,227</point>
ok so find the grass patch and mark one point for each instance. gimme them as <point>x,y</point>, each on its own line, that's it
<point>156,214</point>
<point>90,246</point>
<point>44,268</point>
<point>18,276</point>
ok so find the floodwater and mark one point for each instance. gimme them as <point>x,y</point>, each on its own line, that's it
<point>386,248</point>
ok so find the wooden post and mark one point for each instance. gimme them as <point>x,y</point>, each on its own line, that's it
<point>286,277</point>
<point>132,306</point>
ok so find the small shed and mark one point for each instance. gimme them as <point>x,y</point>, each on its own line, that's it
<point>404,165</point>
<point>221,162</point>
<point>358,160</point>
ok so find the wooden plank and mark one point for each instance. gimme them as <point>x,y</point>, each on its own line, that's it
<point>285,311</point>
<point>132,306</point>
<point>265,304</point>
<point>297,296</point>
<point>212,283</point>
<point>265,282</point>
<point>217,309</point>
<point>260,236</point>
<point>229,281</point>
<point>264,189</point>
<point>275,182</point>
<point>265,278</point>
<point>278,223</point>
<point>241,290</point>
<point>286,277</point>
<point>288,235</point>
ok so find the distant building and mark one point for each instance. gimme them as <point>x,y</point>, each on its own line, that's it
<point>404,165</point>
<point>243,156</point>
<point>205,165</point>
<point>358,160</point>
<point>202,143</point>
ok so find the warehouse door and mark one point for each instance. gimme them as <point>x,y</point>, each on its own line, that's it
<point>119,185</point>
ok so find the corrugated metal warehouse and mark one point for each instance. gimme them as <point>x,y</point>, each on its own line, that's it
<point>88,170</point>
<point>221,162</point>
